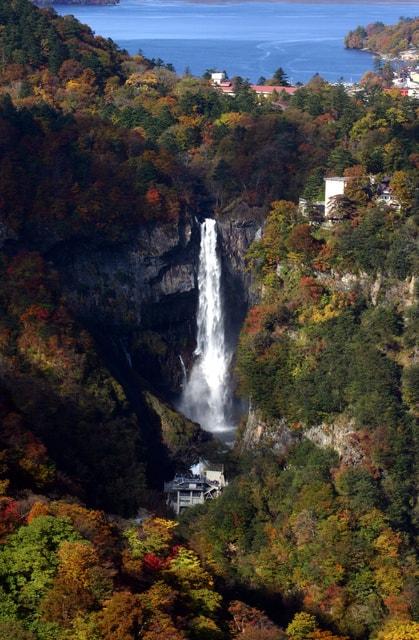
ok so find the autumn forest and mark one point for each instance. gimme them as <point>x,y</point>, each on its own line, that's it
<point>107,164</point>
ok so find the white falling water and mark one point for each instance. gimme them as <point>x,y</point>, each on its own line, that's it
<point>184,372</point>
<point>205,395</point>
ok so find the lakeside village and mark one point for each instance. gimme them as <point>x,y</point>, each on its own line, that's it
<point>328,211</point>
<point>406,72</point>
<point>405,80</point>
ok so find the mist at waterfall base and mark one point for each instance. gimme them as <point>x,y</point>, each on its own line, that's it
<point>206,395</point>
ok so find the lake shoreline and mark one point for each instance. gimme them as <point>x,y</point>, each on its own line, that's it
<point>250,39</point>
<point>306,2</point>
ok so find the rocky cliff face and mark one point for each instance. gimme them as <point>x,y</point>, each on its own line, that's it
<point>341,435</point>
<point>273,434</point>
<point>140,296</point>
<point>238,225</point>
<point>139,300</point>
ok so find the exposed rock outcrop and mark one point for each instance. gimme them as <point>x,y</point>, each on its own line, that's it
<point>378,288</point>
<point>143,294</point>
<point>183,437</point>
<point>273,434</point>
<point>238,225</point>
<point>340,435</point>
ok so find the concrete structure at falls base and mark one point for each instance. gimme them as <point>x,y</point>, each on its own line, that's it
<point>188,490</point>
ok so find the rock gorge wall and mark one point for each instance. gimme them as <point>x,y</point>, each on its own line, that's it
<point>238,226</point>
<point>140,298</point>
<point>142,295</point>
<point>341,433</point>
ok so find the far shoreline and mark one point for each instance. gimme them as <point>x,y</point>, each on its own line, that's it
<point>116,3</point>
<point>348,2</point>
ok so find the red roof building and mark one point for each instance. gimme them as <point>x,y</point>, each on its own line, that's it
<point>227,87</point>
<point>267,90</point>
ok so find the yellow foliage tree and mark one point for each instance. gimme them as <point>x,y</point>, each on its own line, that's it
<point>399,630</point>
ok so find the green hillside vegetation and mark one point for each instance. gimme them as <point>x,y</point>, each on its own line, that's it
<point>95,144</point>
<point>331,342</point>
<point>314,351</point>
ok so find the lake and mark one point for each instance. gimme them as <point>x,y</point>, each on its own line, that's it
<point>247,39</point>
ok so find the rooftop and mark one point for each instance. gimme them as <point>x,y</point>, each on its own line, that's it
<point>214,466</point>
<point>267,88</point>
<point>187,482</point>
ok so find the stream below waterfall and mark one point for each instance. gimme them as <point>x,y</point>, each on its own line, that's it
<point>206,394</point>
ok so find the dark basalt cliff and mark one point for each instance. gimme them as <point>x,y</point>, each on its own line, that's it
<point>138,298</point>
<point>140,295</point>
<point>238,226</point>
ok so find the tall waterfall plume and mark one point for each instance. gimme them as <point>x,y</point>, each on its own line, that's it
<point>206,394</point>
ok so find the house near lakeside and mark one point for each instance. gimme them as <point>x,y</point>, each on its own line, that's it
<point>205,482</point>
<point>217,77</point>
<point>220,81</point>
<point>406,82</point>
<point>409,55</point>
<point>266,90</point>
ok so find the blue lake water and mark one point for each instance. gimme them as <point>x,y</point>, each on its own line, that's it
<point>247,39</point>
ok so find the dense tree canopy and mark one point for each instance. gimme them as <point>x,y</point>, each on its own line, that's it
<point>94,146</point>
<point>385,39</point>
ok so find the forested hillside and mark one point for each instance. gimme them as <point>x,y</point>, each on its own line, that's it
<point>384,39</point>
<point>106,163</point>
<point>329,357</point>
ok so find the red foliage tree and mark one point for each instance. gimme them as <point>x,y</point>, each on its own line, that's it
<point>302,241</point>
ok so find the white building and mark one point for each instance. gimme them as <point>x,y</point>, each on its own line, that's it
<point>386,197</point>
<point>407,82</point>
<point>188,490</point>
<point>413,85</point>
<point>334,187</point>
<point>214,473</point>
<point>218,77</point>
<point>410,55</point>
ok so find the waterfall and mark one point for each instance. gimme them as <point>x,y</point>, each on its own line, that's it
<point>184,372</point>
<point>206,394</point>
